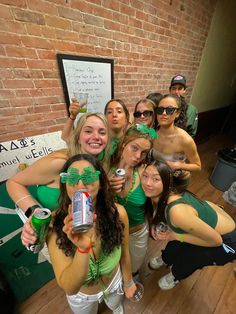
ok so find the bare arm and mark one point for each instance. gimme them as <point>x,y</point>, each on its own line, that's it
<point>44,171</point>
<point>68,127</point>
<point>197,231</point>
<point>66,268</point>
<point>125,256</point>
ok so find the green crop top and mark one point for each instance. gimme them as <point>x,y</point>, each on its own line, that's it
<point>48,197</point>
<point>104,266</point>
<point>205,212</point>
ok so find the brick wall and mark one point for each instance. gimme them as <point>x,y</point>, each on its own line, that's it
<point>150,41</point>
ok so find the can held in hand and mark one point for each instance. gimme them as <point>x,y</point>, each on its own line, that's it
<point>82,211</point>
<point>120,173</point>
<point>40,222</point>
<point>161,227</point>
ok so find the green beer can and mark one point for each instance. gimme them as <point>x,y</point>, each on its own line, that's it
<point>40,222</point>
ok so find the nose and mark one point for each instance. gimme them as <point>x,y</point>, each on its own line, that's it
<point>114,113</point>
<point>138,154</point>
<point>95,135</point>
<point>80,185</point>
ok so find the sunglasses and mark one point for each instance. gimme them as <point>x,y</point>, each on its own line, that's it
<point>146,113</point>
<point>169,110</point>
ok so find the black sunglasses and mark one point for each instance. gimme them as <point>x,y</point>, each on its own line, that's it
<point>169,110</point>
<point>146,113</point>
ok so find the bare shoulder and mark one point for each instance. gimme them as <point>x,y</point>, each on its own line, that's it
<point>185,137</point>
<point>122,212</point>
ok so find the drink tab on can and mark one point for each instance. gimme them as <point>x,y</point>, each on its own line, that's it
<point>82,211</point>
<point>120,173</point>
<point>40,222</point>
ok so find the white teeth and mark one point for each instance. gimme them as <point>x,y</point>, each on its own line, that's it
<point>94,144</point>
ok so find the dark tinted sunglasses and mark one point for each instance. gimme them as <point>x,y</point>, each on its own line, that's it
<point>169,110</point>
<point>146,113</point>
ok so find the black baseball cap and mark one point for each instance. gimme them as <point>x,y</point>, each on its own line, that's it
<point>178,79</point>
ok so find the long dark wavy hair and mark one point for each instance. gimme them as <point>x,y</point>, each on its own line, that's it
<point>108,224</point>
<point>155,215</point>
<point>181,120</point>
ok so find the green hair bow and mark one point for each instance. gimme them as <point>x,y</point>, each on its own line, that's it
<point>144,129</point>
<point>87,177</point>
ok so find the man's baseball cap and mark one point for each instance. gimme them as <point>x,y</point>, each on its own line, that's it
<point>178,79</point>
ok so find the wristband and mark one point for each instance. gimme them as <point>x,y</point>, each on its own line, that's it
<point>87,250</point>
<point>30,210</point>
<point>128,284</point>
<point>71,118</point>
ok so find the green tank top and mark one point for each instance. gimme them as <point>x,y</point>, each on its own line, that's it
<point>103,266</point>
<point>48,197</point>
<point>134,203</point>
<point>205,212</point>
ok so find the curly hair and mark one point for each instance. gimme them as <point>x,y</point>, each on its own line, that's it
<point>108,224</point>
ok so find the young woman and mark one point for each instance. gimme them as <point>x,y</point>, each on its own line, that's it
<point>94,265</point>
<point>144,112</point>
<point>117,116</point>
<point>130,155</point>
<point>202,233</point>
<point>90,136</point>
<point>174,144</point>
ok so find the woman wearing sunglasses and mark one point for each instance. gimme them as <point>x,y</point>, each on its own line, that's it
<point>144,112</point>
<point>174,144</point>
<point>200,232</point>
<point>92,265</point>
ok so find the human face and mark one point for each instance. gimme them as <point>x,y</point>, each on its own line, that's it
<point>136,151</point>
<point>115,115</point>
<point>151,182</point>
<point>92,188</point>
<point>93,136</point>
<point>166,119</point>
<point>177,89</point>
<point>148,120</point>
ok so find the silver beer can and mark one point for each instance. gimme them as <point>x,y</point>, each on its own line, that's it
<point>120,173</point>
<point>82,211</point>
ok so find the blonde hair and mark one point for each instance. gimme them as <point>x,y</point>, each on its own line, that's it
<point>74,144</point>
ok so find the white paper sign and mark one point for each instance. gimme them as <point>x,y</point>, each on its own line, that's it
<point>25,151</point>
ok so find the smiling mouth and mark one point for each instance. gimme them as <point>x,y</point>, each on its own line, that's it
<point>95,145</point>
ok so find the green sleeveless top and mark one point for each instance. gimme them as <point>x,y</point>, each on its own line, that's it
<point>103,266</point>
<point>205,212</point>
<point>134,203</point>
<point>48,197</point>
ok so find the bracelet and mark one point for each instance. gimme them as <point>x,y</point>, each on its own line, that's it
<point>128,284</point>
<point>72,118</point>
<point>22,198</point>
<point>181,237</point>
<point>87,250</point>
<point>30,210</point>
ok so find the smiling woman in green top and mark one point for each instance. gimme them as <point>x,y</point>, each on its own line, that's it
<point>91,266</point>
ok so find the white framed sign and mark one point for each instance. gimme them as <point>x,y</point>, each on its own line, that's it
<point>91,79</point>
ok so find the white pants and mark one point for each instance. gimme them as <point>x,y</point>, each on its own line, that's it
<point>81,303</point>
<point>138,242</point>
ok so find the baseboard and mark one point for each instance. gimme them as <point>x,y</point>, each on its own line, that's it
<point>214,121</point>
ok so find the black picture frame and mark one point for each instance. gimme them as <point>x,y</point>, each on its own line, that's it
<point>76,70</point>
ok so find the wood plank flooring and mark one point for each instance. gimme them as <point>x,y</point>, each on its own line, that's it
<point>211,290</point>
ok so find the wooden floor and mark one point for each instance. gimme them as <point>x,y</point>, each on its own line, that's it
<point>211,290</point>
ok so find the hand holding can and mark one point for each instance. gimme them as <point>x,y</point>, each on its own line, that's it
<point>121,173</point>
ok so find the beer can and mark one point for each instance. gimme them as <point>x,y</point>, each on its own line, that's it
<point>120,173</point>
<point>82,211</point>
<point>40,222</point>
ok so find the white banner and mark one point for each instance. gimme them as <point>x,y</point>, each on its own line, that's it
<point>17,154</point>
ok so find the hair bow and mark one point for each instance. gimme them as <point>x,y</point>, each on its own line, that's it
<point>144,129</point>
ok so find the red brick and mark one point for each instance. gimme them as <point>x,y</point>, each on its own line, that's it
<point>27,73</point>
<point>12,27</point>
<point>22,93</point>
<point>46,54</point>
<point>12,63</point>
<point>58,22</point>
<point>46,83</point>
<point>111,25</point>
<point>61,46</point>
<point>5,12</point>
<point>39,64</point>
<point>120,18</point>
<point>17,83</point>
<point>34,29</point>
<point>93,20</point>
<point>36,42</point>
<point>9,39</point>
<point>42,6</point>
<point>13,51</point>
<point>82,6</point>
<point>111,4</point>
<point>26,16</point>
<point>102,12</point>
<point>2,51</point>
<point>85,49</point>
<point>70,13</point>
<point>15,3</point>
<point>66,35</point>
